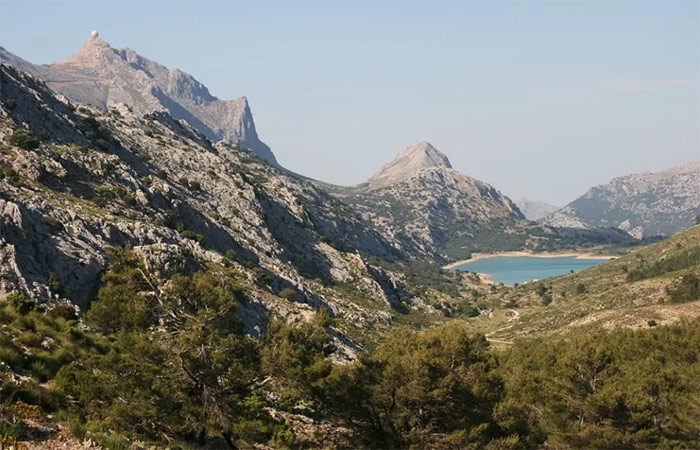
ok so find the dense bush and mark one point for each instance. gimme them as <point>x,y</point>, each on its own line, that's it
<point>687,290</point>
<point>24,139</point>
<point>97,133</point>
<point>298,354</point>
<point>35,346</point>
<point>438,387</point>
<point>621,389</point>
<point>180,365</point>
<point>126,301</point>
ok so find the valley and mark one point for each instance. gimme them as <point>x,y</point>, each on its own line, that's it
<point>166,283</point>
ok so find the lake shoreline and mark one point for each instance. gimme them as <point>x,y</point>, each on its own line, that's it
<point>478,256</point>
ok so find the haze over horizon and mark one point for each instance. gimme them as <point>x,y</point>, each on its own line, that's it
<point>541,100</point>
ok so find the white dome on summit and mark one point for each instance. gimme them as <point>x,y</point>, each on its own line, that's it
<point>94,33</point>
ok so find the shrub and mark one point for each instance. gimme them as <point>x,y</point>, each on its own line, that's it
<point>189,234</point>
<point>54,223</point>
<point>687,290</point>
<point>287,293</point>
<point>30,339</point>
<point>288,399</point>
<point>451,290</point>
<point>24,139</point>
<point>676,261</point>
<point>10,354</point>
<point>262,276</point>
<point>546,299</point>
<point>283,437</point>
<point>54,284</point>
<point>7,172</point>
<point>22,303</point>
<point>580,288</point>
<point>64,311</point>
<point>97,133</point>
<point>468,310</point>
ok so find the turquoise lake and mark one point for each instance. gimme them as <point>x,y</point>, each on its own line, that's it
<point>520,269</point>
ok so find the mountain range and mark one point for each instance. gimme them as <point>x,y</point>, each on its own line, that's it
<point>432,211</point>
<point>102,76</point>
<point>79,180</point>
<point>156,179</point>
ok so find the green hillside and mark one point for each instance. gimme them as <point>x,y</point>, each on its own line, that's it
<point>656,285</point>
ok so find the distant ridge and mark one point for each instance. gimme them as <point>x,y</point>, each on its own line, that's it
<point>643,204</point>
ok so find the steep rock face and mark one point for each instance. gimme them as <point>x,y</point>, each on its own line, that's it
<point>102,76</point>
<point>420,201</point>
<point>644,204</point>
<point>94,179</point>
<point>533,209</point>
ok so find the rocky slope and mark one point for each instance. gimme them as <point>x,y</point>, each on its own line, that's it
<point>75,181</point>
<point>533,209</point>
<point>102,76</point>
<point>643,204</point>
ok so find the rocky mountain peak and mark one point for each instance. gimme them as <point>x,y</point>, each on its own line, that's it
<point>416,157</point>
<point>423,154</point>
<point>91,50</point>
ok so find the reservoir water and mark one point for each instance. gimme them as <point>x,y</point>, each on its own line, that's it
<point>520,269</point>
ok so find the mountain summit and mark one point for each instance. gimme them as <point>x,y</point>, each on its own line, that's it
<point>413,158</point>
<point>102,76</point>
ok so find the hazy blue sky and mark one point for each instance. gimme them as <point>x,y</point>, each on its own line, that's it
<point>541,99</point>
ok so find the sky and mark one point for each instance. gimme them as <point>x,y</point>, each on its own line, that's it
<point>541,99</point>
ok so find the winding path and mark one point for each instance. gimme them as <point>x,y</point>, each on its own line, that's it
<point>516,317</point>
